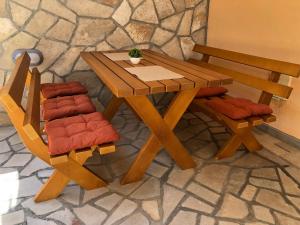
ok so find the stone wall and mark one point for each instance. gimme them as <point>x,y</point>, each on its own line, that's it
<point>61,29</point>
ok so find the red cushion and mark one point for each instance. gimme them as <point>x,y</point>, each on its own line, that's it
<point>50,90</point>
<point>211,91</point>
<point>238,108</point>
<point>66,106</point>
<point>228,109</point>
<point>77,132</point>
<point>256,109</point>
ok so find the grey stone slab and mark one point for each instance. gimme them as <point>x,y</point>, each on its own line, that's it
<point>42,208</point>
<point>92,194</point>
<point>275,201</point>
<point>65,216</point>
<point>13,188</point>
<point>137,218</point>
<point>289,185</point>
<point>157,170</point>
<point>171,198</point>
<point>35,165</point>
<point>4,157</point>
<point>252,161</point>
<point>213,176</point>
<point>259,182</point>
<point>71,195</point>
<point>285,220</point>
<point>150,189</point>
<point>18,160</point>
<point>237,180</point>
<point>294,172</point>
<point>15,139</point>
<point>263,214</point>
<point>249,192</point>
<point>4,147</point>
<point>90,215</point>
<point>12,218</point>
<point>198,205</point>
<point>207,220</point>
<point>125,189</point>
<point>207,151</point>
<point>179,177</point>
<point>151,208</point>
<point>233,207</point>
<point>6,132</point>
<point>184,217</point>
<point>109,202</point>
<point>269,173</point>
<point>35,221</point>
<point>203,193</point>
<point>126,208</point>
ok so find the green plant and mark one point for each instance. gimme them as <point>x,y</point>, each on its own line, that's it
<point>135,53</point>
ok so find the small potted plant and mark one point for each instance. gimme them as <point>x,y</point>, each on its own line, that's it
<point>135,55</point>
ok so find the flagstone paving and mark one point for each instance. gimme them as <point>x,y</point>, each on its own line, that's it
<point>247,189</point>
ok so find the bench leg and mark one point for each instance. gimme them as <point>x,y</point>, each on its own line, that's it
<point>241,136</point>
<point>63,174</point>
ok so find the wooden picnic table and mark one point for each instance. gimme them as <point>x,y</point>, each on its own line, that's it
<point>128,87</point>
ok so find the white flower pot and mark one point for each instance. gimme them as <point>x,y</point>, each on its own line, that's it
<point>135,60</point>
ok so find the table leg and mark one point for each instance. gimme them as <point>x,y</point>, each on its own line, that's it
<point>112,107</point>
<point>161,133</point>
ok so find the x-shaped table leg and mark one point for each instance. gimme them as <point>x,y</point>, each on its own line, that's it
<point>162,134</point>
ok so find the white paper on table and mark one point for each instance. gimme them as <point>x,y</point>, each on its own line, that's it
<point>153,73</point>
<point>117,56</point>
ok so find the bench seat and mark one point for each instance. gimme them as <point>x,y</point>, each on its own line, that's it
<point>60,107</point>
<point>52,90</point>
<point>78,132</point>
<point>238,108</point>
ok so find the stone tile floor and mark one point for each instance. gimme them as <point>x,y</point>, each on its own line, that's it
<point>250,189</point>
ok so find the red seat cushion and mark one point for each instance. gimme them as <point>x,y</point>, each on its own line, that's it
<point>50,90</point>
<point>228,109</point>
<point>66,106</point>
<point>211,91</point>
<point>255,108</point>
<point>78,132</point>
<point>238,108</point>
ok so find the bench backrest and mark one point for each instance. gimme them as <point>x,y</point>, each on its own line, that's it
<point>26,121</point>
<point>269,87</point>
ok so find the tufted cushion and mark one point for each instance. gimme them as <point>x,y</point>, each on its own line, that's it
<point>79,132</point>
<point>238,108</point>
<point>66,106</point>
<point>211,91</point>
<point>256,109</point>
<point>50,90</point>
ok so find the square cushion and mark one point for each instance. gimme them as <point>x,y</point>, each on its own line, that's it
<point>78,132</point>
<point>51,90</point>
<point>238,108</point>
<point>211,91</point>
<point>60,107</point>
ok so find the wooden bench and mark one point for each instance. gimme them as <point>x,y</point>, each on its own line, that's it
<point>241,129</point>
<point>68,166</point>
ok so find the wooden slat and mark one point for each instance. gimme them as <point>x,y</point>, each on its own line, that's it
<point>255,61</point>
<point>249,80</point>
<point>17,79</point>
<point>198,82</point>
<point>266,98</point>
<point>139,87</point>
<point>155,86</point>
<point>212,77</point>
<point>32,113</point>
<point>106,148</point>
<point>118,87</point>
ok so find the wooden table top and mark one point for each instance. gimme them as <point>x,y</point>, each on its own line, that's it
<point>124,84</point>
